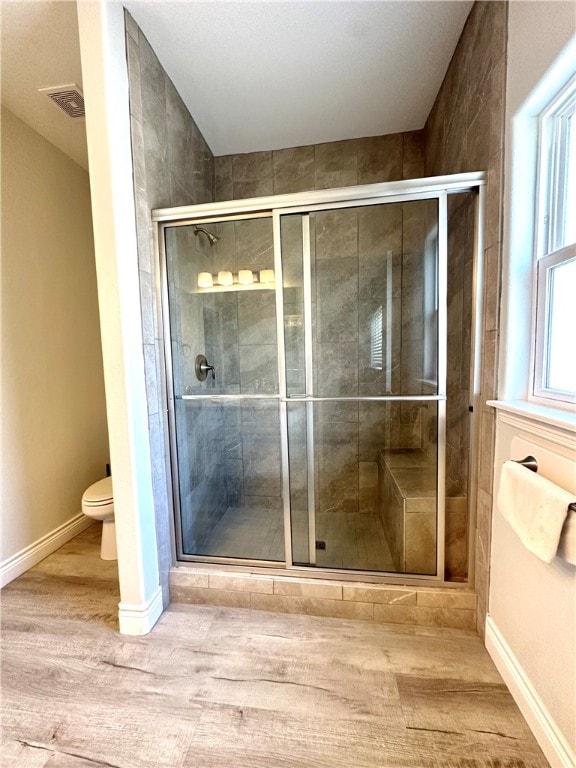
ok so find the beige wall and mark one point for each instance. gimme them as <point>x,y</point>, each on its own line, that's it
<point>54,435</point>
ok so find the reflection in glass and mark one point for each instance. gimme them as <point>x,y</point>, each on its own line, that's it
<point>375,300</point>
<point>561,365</point>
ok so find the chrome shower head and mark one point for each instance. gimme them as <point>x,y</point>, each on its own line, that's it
<point>211,238</point>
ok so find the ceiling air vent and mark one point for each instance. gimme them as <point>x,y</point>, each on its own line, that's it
<point>69,98</point>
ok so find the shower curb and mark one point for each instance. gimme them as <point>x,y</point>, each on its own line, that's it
<point>380,603</point>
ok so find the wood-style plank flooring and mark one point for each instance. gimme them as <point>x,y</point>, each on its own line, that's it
<point>231,688</point>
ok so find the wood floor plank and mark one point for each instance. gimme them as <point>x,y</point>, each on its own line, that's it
<point>217,687</point>
<point>481,711</point>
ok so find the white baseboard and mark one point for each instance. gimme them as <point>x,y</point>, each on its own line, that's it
<point>139,619</point>
<point>552,742</point>
<point>31,555</point>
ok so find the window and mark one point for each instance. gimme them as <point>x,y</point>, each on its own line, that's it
<point>555,355</point>
<point>431,308</point>
<point>376,340</point>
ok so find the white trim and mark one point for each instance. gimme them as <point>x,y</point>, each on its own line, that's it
<point>551,740</point>
<point>22,561</point>
<point>554,425</point>
<point>105,80</point>
<point>139,619</point>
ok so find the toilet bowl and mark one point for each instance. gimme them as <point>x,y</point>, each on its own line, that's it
<point>98,503</point>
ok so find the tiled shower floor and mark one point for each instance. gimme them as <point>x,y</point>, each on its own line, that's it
<point>353,540</point>
<point>248,533</point>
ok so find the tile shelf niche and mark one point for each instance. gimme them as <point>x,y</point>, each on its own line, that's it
<point>236,287</point>
<point>227,281</point>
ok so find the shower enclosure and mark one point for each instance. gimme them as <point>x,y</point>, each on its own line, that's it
<point>307,341</point>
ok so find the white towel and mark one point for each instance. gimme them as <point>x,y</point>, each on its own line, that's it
<point>535,507</point>
<point>567,548</point>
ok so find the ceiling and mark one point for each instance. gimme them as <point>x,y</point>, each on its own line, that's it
<point>255,75</point>
<point>268,75</point>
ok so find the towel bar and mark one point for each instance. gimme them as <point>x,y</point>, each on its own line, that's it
<point>529,462</point>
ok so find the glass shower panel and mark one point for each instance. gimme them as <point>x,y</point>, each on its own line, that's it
<point>376,486</point>
<point>230,480</point>
<point>233,326</point>
<point>460,291</point>
<point>291,230</point>
<point>225,389</point>
<point>342,443</point>
<point>372,317</point>
<point>404,447</point>
<point>302,532</point>
<point>376,505</point>
<point>375,300</point>
<point>292,235</point>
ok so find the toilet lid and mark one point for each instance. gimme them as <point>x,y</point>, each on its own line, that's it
<point>99,493</point>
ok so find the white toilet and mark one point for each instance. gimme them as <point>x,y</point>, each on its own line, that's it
<point>98,503</point>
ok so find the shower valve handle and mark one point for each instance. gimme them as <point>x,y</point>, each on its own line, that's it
<point>202,367</point>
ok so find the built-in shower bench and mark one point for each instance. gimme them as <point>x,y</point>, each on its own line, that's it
<point>408,481</point>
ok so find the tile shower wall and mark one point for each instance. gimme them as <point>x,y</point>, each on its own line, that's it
<point>320,166</point>
<point>245,357</point>
<point>368,264</point>
<point>460,269</point>
<point>228,452</point>
<point>465,132</point>
<point>349,252</point>
<point>173,165</point>
<point>195,328</point>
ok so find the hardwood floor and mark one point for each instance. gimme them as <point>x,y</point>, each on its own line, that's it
<point>232,688</point>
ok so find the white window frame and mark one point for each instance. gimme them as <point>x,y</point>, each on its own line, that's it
<point>549,252</point>
<point>545,268</point>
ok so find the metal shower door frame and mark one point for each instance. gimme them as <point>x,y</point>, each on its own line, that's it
<point>277,207</point>
<point>309,398</point>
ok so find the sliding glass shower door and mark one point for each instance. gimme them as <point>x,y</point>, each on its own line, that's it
<point>225,396</point>
<point>360,303</point>
<point>306,385</point>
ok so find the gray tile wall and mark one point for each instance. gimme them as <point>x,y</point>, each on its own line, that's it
<point>231,455</point>
<point>349,275</point>
<point>465,132</point>
<point>247,355</point>
<point>320,166</point>
<point>352,284</point>
<point>196,328</point>
<point>173,165</point>
<point>347,249</point>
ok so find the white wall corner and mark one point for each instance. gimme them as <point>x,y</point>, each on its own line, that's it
<point>551,740</point>
<point>106,92</point>
<point>31,555</point>
<point>139,619</point>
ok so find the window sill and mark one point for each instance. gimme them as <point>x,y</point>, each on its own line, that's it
<point>552,417</point>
